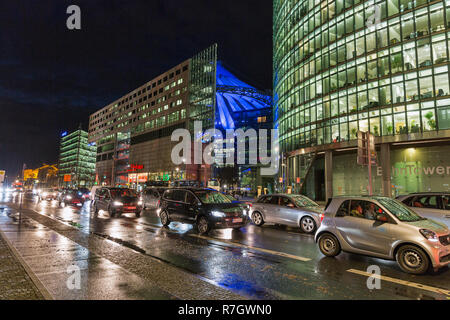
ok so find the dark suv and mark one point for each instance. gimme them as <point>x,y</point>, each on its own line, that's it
<point>117,201</point>
<point>206,208</point>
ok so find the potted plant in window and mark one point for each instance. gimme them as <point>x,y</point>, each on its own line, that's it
<point>431,122</point>
<point>389,128</point>
<point>375,131</point>
<point>354,133</point>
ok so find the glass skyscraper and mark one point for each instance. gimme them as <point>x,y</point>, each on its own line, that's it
<point>76,160</point>
<point>343,66</point>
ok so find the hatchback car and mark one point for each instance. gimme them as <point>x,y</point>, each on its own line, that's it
<point>151,197</point>
<point>48,194</point>
<point>116,201</point>
<point>287,209</point>
<point>206,208</point>
<point>384,228</point>
<point>434,206</point>
<point>71,197</point>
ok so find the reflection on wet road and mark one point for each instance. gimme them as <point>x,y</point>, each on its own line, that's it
<point>270,262</point>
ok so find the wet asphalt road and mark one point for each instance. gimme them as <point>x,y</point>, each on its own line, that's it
<point>269,262</point>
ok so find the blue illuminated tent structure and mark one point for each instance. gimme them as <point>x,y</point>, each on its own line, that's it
<point>235,97</point>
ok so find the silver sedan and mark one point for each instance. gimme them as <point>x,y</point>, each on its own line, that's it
<point>287,209</point>
<point>435,206</point>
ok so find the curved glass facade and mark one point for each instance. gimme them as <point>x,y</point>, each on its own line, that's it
<point>346,65</point>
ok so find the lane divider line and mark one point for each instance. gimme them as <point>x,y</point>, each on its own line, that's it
<point>402,282</point>
<point>281,254</point>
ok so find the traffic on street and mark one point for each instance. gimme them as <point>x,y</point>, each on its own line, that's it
<point>255,260</point>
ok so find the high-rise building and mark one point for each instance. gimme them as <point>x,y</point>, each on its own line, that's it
<point>133,133</point>
<point>76,160</point>
<point>344,66</point>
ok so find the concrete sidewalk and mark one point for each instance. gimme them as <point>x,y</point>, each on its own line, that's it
<point>15,283</point>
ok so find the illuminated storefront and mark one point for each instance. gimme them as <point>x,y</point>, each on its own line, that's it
<point>346,66</point>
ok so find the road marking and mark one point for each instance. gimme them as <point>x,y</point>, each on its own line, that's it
<point>402,282</point>
<point>281,254</point>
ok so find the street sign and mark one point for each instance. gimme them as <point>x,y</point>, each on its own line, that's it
<point>67,178</point>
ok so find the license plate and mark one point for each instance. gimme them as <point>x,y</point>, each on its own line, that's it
<point>237,220</point>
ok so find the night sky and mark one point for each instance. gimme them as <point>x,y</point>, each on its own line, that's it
<point>52,79</point>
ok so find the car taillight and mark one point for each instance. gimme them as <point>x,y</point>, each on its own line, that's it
<point>322,216</point>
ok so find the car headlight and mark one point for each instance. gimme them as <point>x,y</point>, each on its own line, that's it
<point>429,235</point>
<point>140,203</point>
<point>69,197</point>
<point>218,214</point>
<point>118,203</point>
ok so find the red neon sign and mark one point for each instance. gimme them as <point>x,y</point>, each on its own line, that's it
<point>135,167</point>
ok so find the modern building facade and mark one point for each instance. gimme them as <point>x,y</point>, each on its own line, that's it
<point>133,133</point>
<point>76,160</point>
<point>345,66</point>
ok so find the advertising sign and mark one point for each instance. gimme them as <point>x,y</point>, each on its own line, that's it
<point>132,178</point>
<point>142,177</point>
<point>67,178</point>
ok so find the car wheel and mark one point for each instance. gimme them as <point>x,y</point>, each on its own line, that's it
<point>412,259</point>
<point>203,225</point>
<point>164,218</point>
<point>329,245</point>
<point>308,225</point>
<point>111,212</point>
<point>257,218</point>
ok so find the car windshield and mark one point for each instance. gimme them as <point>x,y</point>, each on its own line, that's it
<point>303,201</point>
<point>402,212</point>
<point>212,197</point>
<point>123,193</point>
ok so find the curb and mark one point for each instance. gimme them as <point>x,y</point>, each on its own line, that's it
<point>39,285</point>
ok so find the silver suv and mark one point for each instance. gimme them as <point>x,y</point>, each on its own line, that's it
<point>384,228</point>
